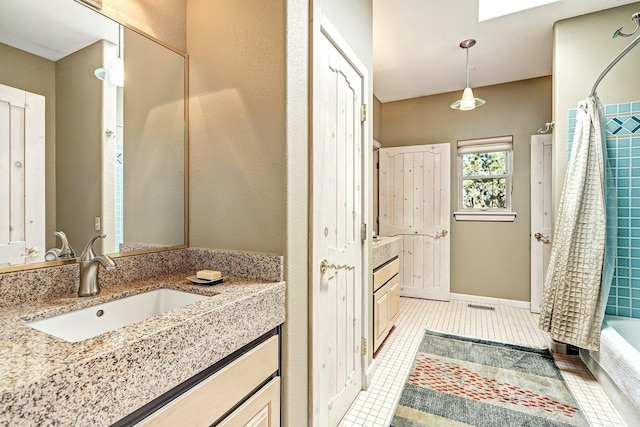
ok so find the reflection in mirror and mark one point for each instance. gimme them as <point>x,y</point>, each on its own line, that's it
<point>80,151</point>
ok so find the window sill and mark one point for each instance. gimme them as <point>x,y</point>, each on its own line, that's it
<point>485,216</point>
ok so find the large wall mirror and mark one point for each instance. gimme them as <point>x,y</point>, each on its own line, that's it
<point>92,134</point>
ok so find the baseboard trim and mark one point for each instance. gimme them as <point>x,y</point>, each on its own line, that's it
<point>490,300</point>
<point>367,377</point>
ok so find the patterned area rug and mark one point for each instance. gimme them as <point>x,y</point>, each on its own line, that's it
<point>458,381</point>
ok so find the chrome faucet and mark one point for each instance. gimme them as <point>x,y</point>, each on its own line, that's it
<point>89,268</point>
<point>65,251</point>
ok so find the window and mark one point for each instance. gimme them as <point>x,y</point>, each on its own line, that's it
<point>484,179</point>
<point>489,9</point>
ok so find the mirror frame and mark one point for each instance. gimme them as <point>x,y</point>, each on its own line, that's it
<point>45,264</point>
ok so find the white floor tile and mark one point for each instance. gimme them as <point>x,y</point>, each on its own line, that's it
<point>376,406</point>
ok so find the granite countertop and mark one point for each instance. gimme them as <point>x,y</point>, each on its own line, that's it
<point>386,248</point>
<point>385,240</point>
<point>45,380</point>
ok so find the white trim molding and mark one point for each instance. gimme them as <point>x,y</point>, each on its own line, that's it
<point>500,144</point>
<point>485,216</point>
<point>367,376</point>
<point>493,301</point>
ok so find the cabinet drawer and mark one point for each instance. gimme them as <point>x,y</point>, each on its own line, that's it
<point>394,300</point>
<point>380,277</point>
<point>380,317</point>
<point>261,410</point>
<point>213,397</point>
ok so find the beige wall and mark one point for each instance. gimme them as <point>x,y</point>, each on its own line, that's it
<point>34,74</point>
<point>249,143</point>
<point>238,152</point>
<point>377,122</point>
<point>154,154</point>
<point>583,47</point>
<point>487,258</point>
<point>165,20</point>
<point>79,145</point>
<point>237,124</point>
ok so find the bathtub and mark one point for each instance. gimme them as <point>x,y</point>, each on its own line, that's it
<point>617,365</point>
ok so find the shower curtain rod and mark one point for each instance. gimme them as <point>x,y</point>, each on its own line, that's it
<point>614,62</point>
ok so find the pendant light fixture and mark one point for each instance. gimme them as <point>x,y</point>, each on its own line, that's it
<point>468,101</point>
<point>115,73</point>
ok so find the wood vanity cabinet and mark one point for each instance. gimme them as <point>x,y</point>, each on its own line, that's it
<point>386,300</point>
<point>243,390</point>
<point>261,410</point>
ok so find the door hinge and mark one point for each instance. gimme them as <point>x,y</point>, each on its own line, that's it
<point>363,345</point>
<point>363,232</point>
<point>363,112</point>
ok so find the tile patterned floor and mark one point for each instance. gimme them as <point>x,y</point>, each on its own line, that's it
<point>375,407</point>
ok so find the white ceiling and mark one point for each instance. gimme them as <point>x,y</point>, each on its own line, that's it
<point>52,28</point>
<point>416,42</point>
<point>416,48</point>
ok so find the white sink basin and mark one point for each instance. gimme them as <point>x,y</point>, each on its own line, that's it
<point>92,321</point>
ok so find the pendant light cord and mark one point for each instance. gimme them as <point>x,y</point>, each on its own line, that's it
<point>467,49</point>
<point>120,29</point>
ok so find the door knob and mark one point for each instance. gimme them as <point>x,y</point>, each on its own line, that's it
<point>32,252</point>
<point>324,266</point>
<point>541,238</point>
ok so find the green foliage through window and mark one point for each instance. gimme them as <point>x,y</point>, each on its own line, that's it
<point>484,180</point>
<point>484,163</point>
<point>484,193</point>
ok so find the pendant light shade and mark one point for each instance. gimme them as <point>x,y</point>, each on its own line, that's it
<point>468,101</point>
<point>115,73</point>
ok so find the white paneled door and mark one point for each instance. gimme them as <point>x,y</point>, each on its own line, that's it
<point>415,194</point>
<point>337,216</point>
<point>22,180</point>
<point>541,150</point>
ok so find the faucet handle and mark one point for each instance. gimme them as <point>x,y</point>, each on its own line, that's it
<point>88,254</point>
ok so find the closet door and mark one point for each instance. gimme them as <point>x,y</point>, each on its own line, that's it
<point>22,182</point>
<point>541,152</point>
<point>415,195</point>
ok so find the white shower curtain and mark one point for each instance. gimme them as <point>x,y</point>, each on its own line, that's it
<point>572,305</point>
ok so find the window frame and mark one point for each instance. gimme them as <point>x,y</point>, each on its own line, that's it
<point>486,145</point>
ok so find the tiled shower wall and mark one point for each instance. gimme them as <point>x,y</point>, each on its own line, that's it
<point>622,122</point>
